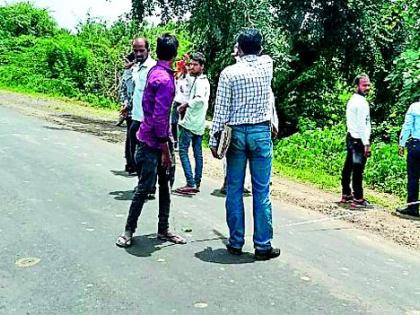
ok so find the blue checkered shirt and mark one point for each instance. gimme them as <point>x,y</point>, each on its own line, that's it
<point>243,94</point>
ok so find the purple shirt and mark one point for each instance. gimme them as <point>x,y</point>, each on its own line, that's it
<point>157,100</point>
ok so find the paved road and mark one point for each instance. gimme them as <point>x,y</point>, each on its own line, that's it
<point>64,201</point>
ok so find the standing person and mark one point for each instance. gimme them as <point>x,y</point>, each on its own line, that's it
<point>357,143</point>
<point>242,101</point>
<point>410,138</point>
<point>192,124</point>
<point>182,92</point>
<point>126,98</point>
<point>153,152</point>
<point>143,63</point>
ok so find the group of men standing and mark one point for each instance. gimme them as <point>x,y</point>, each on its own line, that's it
<point>245,102</point>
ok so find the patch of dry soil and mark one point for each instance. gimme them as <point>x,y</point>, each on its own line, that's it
<point>101,123</point>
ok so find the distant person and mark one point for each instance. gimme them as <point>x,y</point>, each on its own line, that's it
<point>243,102</point>
<point>182,93</point>
<point>126,98</point>
<point>153,154</point>
<point>410,139</point>
<point>357,144</point>
<point>193,124</point>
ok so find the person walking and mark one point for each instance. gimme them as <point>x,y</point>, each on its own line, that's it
<point>410,139</point>
<point>192,125</point>
<point>153,154</point>
<point>357,144</point>
<point>242,101</point>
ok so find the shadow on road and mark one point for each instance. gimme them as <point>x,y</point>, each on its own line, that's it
<point>56,128</point>
<point>122,194</point>
<point>123,173</point>
<point>221,256</point>
<point>146,245</point>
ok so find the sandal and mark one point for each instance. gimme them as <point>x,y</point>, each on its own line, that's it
<point>123,241</point>
<point>171,237</point>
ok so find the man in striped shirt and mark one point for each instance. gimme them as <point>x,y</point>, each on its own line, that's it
<point>243,102</point>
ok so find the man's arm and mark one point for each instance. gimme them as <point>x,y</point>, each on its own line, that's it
<point>407,128</point>
<point>163,101</point>
<point>363,123</point>
<point>221,107</point>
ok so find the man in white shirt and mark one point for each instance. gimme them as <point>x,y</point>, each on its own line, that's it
<point>410,139</point>
<point>358,145</point>
<point>139,71</point>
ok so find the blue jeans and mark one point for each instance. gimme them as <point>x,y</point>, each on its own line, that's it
<point>250,143</point>
<point>186,137</point>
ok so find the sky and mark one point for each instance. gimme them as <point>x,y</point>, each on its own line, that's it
<point>69,13</point>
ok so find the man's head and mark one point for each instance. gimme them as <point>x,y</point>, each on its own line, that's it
<point>196,66</point>
<point>140,49</point>
<point>167,47</point>
<point>362,83</point>
<point>249,41</point>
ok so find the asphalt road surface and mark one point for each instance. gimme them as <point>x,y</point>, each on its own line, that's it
<point>64,201</point>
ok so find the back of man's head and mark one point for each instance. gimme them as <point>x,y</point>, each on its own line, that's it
<point>167,47</point>
<point>250,41</point>
<point>199,57</point>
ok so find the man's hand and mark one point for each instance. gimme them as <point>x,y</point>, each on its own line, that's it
<point>214,152</point>
<point>124,109</point>
<point>274,133</point>
<point>182,108</point>
<point>401,151</point>
<point>166,156</point>
<point>368,151</point>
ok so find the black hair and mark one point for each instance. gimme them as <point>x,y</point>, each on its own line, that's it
<point>167,47</point>
<point>250,41</point>
<point>199,57</point>
<point>359,77</point>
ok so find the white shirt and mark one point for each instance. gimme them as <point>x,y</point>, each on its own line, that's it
<point>182,89</point>
<point>243,93</point>
<point>358,118</point>
<point>140,73</point>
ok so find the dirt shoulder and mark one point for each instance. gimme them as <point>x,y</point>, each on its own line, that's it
<point>77,117</point>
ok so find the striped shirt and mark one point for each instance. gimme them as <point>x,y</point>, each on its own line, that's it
<point>243,94</point>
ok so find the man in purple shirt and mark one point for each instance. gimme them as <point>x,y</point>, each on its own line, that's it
<point>153,155</point>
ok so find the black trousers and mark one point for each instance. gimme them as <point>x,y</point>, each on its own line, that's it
<point>133,141</point>
<point>149,166</point>
<point>129,161</point>
<point>413,173</point>
<point>354,167</point>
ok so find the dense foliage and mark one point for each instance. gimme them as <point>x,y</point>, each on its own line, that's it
<point>318,46</point>
<point>36,55</point>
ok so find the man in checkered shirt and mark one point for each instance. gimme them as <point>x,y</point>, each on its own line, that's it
<point>243,102</point>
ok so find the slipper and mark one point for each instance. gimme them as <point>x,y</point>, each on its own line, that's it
<point>123,241</point>
<point>171,237</point>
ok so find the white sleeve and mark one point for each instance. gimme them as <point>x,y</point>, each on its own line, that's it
<point>363,121</point>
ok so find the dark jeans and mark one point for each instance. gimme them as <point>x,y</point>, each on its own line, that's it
<point>413,173</point>
<point>133,141</point>
<point>174,120</point>
<point>149,162</point>
<point>186,137</point>
<point>128,155</point>
<point>353,168</point>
